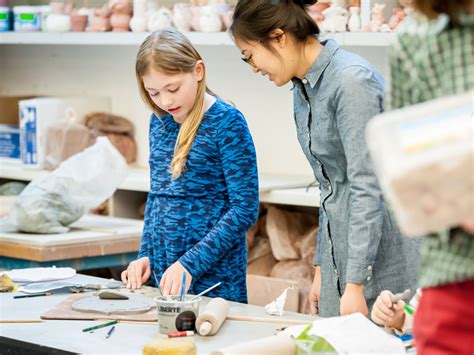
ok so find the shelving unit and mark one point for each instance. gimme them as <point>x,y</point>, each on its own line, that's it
<point>279,189</point>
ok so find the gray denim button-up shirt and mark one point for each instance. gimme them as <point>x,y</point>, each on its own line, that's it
<point>358,240</point>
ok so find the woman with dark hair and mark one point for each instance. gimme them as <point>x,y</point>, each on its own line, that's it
<point>360,251</point>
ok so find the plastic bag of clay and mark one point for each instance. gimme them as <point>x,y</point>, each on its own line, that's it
<point>424,158</point>
<point>52,202</point>
<point>118,129</point>
<point>285,229</point>
<point>64,139</point>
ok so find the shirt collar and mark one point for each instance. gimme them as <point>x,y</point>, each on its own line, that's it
<point>329,49</point>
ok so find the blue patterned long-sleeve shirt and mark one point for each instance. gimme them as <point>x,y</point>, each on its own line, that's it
<point>201,218</point>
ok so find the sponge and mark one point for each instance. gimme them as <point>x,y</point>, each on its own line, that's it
<point>170,347</point>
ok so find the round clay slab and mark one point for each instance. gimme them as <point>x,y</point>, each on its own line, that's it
<point>97,305</point>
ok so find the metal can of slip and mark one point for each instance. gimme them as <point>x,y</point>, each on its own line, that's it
<point>175,315</point>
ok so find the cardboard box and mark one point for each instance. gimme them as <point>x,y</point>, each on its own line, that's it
<point>263,290</point>
<point>9,126</point>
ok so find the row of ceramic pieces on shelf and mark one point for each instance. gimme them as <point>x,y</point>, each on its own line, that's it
<point>340,16</point>
<point>118,16</point>
<point>201,16</point>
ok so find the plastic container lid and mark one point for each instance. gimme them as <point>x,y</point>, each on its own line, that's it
<point>4,9</point>
<point>25,9</point>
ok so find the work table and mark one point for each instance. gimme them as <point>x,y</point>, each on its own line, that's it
<point>127,338</point>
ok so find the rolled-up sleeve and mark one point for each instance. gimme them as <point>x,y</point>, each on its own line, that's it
<point>360,97</point>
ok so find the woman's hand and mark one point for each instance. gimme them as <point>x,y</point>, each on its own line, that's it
<point>387,314</point>
<point>137,273</point>
<point>353,300</point>
<point>315,291</point>
<point>173,278</point>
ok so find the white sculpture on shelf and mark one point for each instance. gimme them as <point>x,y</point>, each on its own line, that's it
<point>138,21</point>
<point>335,19</point>
<point>182,17</point>
<point>210,19</point>
<point>159,20</point>
<point>354,23</point>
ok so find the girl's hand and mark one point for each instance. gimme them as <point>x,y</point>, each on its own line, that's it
<point>137,273</point>
<point>315,291</point>
<point>387,314</point>
<point>353,300</point>
<point>173,278</point>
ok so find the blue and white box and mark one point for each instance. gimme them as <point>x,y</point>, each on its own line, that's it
<point>9,141</point>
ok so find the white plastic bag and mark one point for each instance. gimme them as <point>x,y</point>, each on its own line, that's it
<point>424,158</point>
<point>82,182</point>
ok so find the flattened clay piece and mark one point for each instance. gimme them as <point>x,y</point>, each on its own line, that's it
<point>96,305</point>
<point>112,295</point>
<point>114,284</point>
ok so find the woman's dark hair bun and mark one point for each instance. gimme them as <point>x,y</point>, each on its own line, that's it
<point>305,2</point>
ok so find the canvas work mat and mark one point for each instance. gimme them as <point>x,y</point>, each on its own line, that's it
<point>64,311</point>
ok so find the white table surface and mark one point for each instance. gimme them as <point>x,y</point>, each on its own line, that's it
<point>127,338</point>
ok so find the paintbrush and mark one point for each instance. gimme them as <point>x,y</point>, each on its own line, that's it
<point>206,291</point>
<point>183,287</point>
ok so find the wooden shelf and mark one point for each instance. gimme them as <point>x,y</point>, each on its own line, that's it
<point>197,38</point>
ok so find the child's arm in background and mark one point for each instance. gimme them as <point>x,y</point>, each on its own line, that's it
<point>239,164</point>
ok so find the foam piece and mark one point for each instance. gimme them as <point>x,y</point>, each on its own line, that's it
<point>213,316</point>
<point>170,347</point>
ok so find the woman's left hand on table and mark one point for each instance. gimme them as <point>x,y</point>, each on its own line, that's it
<point>172,279</point>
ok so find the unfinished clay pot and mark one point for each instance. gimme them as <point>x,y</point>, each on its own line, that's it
<point>79,23</point>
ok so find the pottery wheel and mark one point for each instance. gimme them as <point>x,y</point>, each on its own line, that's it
<point>96,305</point>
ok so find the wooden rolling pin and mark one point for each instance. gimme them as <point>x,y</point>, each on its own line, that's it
<point>271,345</point>
<point>211,319</point>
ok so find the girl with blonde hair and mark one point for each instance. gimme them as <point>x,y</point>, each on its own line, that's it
<point>204,183</point>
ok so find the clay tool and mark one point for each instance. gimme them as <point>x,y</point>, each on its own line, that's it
<point>183,287</point>
<point>33,295</point>
<point>100,326</point>
<point>184,333</point>
<point>211,319</point>
<point>157,283</point>
<point>400,296</point>
<point>206,291</point>
<point>109,333</point>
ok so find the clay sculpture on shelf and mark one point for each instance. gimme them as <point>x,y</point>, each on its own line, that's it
<point>335,19</point>
<point>101,20</point>
<point>182,17</point>
<point>160,19</point>
<point>354,23</point>
<point>121,14</point>
<point>138,21</point>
